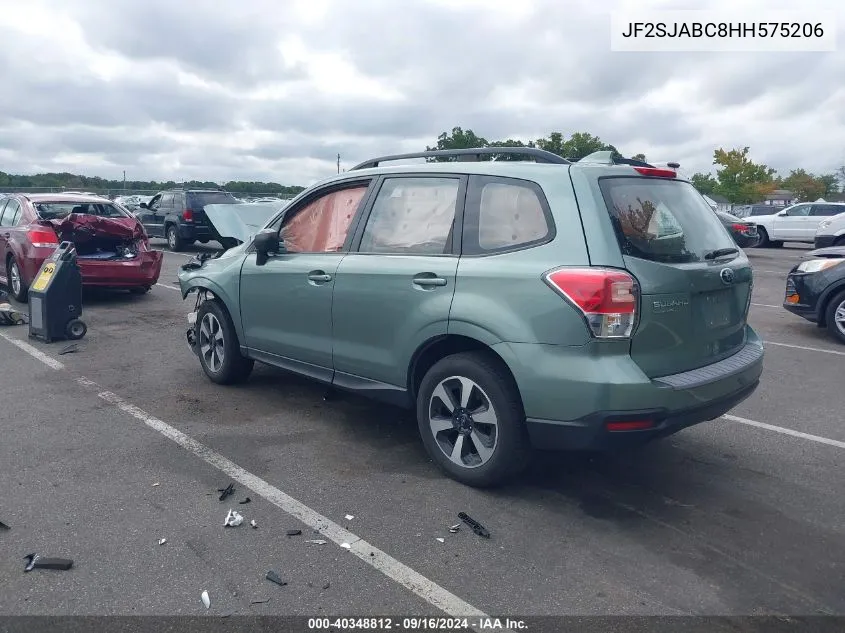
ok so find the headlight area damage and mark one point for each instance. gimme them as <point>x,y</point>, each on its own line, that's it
<point>110,251</point>
<point>203,295</point>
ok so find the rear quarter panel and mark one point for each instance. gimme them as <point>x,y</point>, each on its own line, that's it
<point>503,298</point>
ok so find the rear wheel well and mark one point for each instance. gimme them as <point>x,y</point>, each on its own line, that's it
<point>435,350</point>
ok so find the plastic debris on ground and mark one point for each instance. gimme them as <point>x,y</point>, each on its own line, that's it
<point>205,599</point>
<point>349,517</point>
<point>162,541</point>
<point>346,546</point>
<point>69,349</point>
<point>317,542</point>
<point>475,525</point>
<point>3,526</point>
<point>34,561</point>
<point>233,519</point>
<point>441,540</point>
<point>274,577</point>
<point>225,492</point>
<point>244,502</point>
<point>156,484</point>
<point>455,528</point>
<point>253,524</point>
<point>326,586</point>
<point>294,532</point>
<point>10,316</point>
<point>260,601</point>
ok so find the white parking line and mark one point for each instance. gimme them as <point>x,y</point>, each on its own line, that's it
<point>169,287</point>
<point>808,349</point>
<point>780,429</point>
<point>397,571</point>
<point>765,305</point>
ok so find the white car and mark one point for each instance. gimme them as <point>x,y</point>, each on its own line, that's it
<point>831,231</point>
<point>797,223</point>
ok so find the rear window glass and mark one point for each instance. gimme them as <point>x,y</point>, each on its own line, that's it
<point>57,210</point>
<point>212,197</point>
<point>663,220</point>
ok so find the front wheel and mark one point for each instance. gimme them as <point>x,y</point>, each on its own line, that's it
<point>471,420</point>
<point>217,346</point>
<point>835,317</point>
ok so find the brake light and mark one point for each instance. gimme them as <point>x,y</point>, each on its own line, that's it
<point>629,425</point>
<point>42,238</point>
<point>739,227</point>
<point>607,298</point>
<point>188,215</point>
<point>656,172</point>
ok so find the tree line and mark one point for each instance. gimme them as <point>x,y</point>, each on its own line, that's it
<point>739,179</point>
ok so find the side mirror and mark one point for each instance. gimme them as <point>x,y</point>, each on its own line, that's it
<point>266,242</point>
<point>144,205</point>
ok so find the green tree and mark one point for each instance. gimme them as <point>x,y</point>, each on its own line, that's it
<point>705,183</point>
<point>639,157</point>
<point>805,186</point>
<point>831,184</point>
<point>740,179</point>
<point>457,139</point>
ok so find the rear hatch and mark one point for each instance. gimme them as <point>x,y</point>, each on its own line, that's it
<point>196,201</point>
<point>695,284</point>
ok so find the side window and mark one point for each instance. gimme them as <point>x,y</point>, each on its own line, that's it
<point>166,203</point>
<point>10,213</point>
<point>178,202</point>
<point>802,210</point>
<point>155,203</point>
<point>16,217</point>
<point>412,216</point>
<point>507,213</point>
<point>2,206</point>
<point>321,226</point>
<point>827,209</point>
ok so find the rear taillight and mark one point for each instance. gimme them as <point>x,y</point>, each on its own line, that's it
<point>607,298</point>
<point>188,215</point>
<point>656,172</point>
<point>42,238</point>
<point>629,425</point>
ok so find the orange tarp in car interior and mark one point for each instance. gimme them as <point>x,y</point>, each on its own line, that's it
<point>322,226</point>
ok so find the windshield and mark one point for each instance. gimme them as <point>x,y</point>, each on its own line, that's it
<point>662,220</point>
<point>58,210</point>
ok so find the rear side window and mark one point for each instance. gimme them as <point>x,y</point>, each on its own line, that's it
<point>7,214</point>
<point>662,220</point>
<point>504,214</point>
<point>763,210</point>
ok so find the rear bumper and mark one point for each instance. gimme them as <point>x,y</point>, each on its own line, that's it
<point>194,232</point>
<point>140,272</point>
<point>570,394</point>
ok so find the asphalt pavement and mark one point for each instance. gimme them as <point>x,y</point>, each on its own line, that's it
<point>740,516</point>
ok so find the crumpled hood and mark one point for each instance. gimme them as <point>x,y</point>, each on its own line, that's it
<point>81,227</point>
<point>239,221</point>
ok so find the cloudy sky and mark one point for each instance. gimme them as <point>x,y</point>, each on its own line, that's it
<point>274,89</point>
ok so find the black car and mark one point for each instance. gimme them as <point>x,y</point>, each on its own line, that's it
<point>179,216</point>
<point>815,289</point>
<point>744,232</point>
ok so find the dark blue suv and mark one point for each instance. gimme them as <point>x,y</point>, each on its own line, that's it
<point>179,216</point>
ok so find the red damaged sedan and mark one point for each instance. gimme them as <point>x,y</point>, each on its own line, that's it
<point>111,245</point>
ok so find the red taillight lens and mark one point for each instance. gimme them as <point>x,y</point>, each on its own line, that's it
<point>629,425</point>
<point>739,227</point>
<point>655,171</point>
<point>188,215</point>
<point>42,238</point>
<point>607,298</point>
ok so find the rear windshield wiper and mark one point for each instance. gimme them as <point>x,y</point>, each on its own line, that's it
<point>721,252</point>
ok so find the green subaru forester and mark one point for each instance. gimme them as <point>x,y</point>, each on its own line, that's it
<point>515,304</point>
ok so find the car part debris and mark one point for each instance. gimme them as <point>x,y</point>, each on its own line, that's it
<point>233,519</point>
<point>36,562</point>
<point>260,601</point>
<point>349,517</point>
<point>156,484</point>
<point>244,502</point>
<point>475,525</point>
<point>317,542</point>
<point>3,526</point>
<point>254,524</point>
<point>69,349</point>
<point>10,316</point>
<point>294,532</point>
<point>326,586</point>
<point>225,492</point>
<point>274,577</point>
<point>346,546</point>
<point>441,540</point>
<point>162,541</point>
<point>205,599</point>
<point>455,528</point>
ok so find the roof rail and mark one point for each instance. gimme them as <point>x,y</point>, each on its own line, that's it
<point>470,155</point>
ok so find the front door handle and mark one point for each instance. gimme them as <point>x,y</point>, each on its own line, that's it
<point>427,282</point>
<point>319,276</point>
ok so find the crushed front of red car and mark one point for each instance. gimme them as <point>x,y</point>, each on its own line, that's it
<point>111,252</point>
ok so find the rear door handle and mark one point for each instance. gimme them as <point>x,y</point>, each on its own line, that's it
<point>319,276</point>
<point>428,282</point>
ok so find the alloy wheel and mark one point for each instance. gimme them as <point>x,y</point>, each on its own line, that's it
<point>211,343</point>
<point>171,238</point>
<point>839,317</point>
<point>463,421</point>
<point>15,278</point>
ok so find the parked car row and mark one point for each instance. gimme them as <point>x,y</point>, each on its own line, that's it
<point>818,223</point>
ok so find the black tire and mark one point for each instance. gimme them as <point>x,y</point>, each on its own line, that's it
<point>511,451</point>
<point>75,329</point>
<point>140,291</point>
<point>776,244</point>
<point>23,288</point>
<point>835,304</point>
<point>174,241</point>
<point>762,238</point>
<point>839,241</point>
<point>233,367</point>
